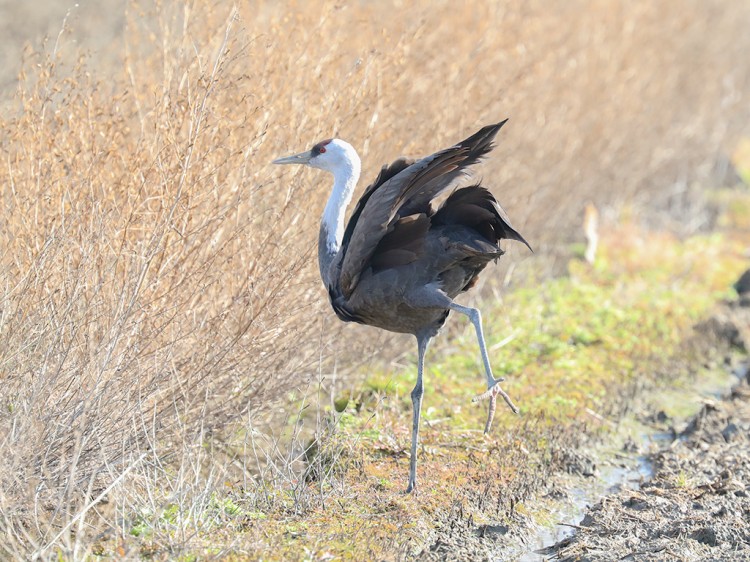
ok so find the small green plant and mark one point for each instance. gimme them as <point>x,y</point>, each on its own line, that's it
<point>682,480</point>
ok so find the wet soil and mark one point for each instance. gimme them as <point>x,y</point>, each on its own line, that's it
<point>696,506</point>
<point>680,493</point>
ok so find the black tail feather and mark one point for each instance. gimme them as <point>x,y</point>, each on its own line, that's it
<point>477,208</point>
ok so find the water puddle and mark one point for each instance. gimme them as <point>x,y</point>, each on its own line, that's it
<point>617,473</point>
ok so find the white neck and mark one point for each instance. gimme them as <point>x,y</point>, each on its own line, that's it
<point>344,181</point>
<point>345,176</point>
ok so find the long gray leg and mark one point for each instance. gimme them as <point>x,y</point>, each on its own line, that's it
<point>493,384</point>
<point>476,318</point>
<point>416,400</point>
<point>431,296</point>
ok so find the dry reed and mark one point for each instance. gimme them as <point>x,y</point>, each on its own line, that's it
<point>158,277</point>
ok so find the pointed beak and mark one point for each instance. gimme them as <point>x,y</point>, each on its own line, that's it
<point>301,158</point>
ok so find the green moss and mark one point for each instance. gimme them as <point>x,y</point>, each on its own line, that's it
<point>341,403</point>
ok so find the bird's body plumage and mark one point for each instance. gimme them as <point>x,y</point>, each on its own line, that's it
<point>416,239</point>
<point>404,236</point>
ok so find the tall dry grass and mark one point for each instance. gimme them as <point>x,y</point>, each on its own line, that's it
<point>158,277</point>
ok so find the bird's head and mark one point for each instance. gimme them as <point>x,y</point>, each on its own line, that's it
<point>330,155</point>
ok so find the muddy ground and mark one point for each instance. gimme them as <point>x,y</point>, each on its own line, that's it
<point>697,505</point>
<point>693,506</point>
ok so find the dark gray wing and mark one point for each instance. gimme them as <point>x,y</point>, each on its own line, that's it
<point>386,173</point>
<point>407,192</point>
<point>478,209</point>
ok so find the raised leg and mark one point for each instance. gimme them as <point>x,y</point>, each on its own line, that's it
<point>416,401</point>
<point>431,296</point>
<point>493,384</point>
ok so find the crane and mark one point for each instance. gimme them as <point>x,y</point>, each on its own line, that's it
<point>417,238</point>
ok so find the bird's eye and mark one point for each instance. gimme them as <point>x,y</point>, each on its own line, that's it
<point>322,149</point>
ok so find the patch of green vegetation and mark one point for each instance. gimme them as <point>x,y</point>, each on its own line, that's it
<point>380,382</point>
<point>681,480</point>
<point>226,506</point>
<point>141,526</point>
<point>170,514</point>
<point>340,404</point>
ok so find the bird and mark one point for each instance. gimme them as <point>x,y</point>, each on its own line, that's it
<point>417,238</point>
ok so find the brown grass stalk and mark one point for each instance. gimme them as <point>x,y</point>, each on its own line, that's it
<point>158,289</point>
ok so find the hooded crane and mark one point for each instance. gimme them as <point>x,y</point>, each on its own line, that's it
<point>415,240</point>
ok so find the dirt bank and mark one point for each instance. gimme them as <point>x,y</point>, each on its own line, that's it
<point>693,504</point>
<point>697,505</point>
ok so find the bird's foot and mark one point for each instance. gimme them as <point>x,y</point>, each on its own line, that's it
<point>492,393</point>
<point>411,488</point>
